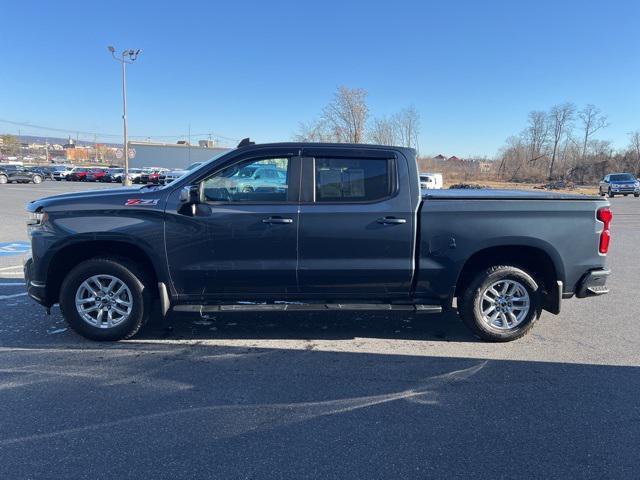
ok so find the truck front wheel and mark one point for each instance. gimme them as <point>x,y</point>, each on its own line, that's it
<point>501,303</point>
<point>105,299</point>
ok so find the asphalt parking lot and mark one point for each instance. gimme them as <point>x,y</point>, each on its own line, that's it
<point>322,395</point>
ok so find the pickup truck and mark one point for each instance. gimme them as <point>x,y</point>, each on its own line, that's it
<point>347,229</point>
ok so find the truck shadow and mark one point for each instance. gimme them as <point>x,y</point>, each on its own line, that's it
<point>444,327</point>
<point>247,412</point>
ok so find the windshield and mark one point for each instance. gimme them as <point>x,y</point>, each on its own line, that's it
<point>622,177</point>
<point>194,165</point>
<point>198,165</point>
<point>191,168</point>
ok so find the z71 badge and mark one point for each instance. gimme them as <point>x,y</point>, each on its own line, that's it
<point>141,202</point>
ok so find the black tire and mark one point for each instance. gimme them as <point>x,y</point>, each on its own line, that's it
<point>4,179</point>
<point>136,280</point>
<point>636,195</point>
<point>470,311</point>
<point>37,179</point>
<point>611,194</point>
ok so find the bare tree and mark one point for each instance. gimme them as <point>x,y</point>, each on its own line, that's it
<point>592,120</point>
<point>537,134</point>
<point>560,122</point>
<point>315,131</point>
<point>635,147</point>
<point>383,132</point>
<point>346,115</point>
<point>408,126</point>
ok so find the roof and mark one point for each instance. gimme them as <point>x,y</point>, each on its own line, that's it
<point>312,145</point>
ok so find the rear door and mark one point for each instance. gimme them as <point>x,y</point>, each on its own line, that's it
<point>357,227</point>
<point>241,241</point>
<point>21,174</point>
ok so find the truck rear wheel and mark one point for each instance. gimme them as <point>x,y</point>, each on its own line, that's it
<point>105,299</point>
<point>501,304</point>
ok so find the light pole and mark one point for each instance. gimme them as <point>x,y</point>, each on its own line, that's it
<point>127,56</point>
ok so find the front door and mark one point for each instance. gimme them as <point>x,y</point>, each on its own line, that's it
<point>357,228</point>
<point>242,241</point>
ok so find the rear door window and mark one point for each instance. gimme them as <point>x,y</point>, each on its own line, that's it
<point>352,179</point>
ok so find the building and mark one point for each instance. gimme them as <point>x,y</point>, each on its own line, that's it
<point>485,167</point>
<point>170,155</point>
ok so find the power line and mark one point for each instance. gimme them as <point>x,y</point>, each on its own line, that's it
<point>68,131</point>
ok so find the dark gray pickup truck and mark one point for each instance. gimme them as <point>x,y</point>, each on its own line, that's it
<point>297,226</point>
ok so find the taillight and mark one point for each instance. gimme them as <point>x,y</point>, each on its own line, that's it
<point>605,216</point>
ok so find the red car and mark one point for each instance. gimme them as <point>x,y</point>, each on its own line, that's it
<point>78,174</point>
<point>152,175</point>
<point>95,174</point>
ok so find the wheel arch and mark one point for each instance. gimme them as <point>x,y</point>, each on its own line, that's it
<point>542,264</point>
<point>72,254</point>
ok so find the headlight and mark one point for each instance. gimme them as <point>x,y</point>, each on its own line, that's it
<point>36,218</point>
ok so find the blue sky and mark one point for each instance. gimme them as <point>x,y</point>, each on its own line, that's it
<point>473,69</point>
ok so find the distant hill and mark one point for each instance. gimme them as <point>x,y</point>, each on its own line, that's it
<point>58,140</point>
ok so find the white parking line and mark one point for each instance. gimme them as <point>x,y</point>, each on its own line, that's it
<point>12,267</point>
<point>5,297</point>
<point>11,284</point>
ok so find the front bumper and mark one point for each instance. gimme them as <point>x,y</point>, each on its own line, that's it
<point>593,283</point>
<point>626,189</point>
<point>36,290</point>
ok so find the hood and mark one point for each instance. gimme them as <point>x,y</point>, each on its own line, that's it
<point>104,197</point>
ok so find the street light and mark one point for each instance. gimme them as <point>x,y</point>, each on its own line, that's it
<point>127,56</point>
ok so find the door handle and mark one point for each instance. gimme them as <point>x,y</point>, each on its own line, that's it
<point>391,221</point>
<point>277,220</point>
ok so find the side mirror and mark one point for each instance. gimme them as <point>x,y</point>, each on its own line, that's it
<point>190,194</point>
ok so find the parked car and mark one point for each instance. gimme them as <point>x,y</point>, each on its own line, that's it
<point>60,172</point>
<point>431,181</point>
<point>152,175</point>
<point>113,175</point>
<point>257,176</point>
<point>172,175</point>
<point>19,174</point>
<point>45,172</point>
<point>619,184</point>
<point>78,174</point>
<point>348,230</point>
<point>95,174</point>
<point>135,174</point>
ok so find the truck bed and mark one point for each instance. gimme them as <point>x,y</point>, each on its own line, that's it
<point>455,225</point>
<point>490,194</point>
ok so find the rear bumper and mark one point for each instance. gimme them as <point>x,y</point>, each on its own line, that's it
<point>36,290</point>
<point>593,283</point>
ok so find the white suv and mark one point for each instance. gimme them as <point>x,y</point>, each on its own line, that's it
<point>60,172</point>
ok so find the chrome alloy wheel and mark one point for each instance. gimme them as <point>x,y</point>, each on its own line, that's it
<point>505,304</point>
<point>104,301</point>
